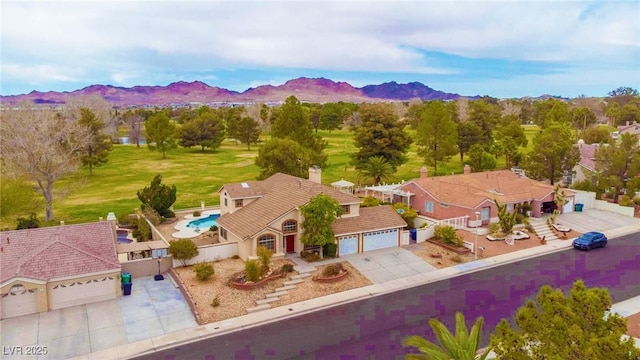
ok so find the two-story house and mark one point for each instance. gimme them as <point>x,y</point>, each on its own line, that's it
<point>267,213</point>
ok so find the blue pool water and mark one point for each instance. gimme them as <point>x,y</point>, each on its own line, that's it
<point>123,237</point>
<point>204,223</point>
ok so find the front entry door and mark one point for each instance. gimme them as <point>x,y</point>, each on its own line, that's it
<point>289,243</point>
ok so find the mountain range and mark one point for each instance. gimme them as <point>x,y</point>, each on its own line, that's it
<point>305,89</point>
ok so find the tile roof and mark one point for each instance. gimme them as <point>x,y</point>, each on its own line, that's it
<point>469,190</point>
<point>587,155</point>
<point>59,251</point>
<point>371,218</point>
<point>280,194</point>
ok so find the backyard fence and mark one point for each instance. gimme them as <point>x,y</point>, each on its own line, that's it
<point>213,252</point>
<point>146,267</point>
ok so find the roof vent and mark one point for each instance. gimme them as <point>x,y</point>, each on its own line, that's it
<point>244,185</point>
<point>494,191</point>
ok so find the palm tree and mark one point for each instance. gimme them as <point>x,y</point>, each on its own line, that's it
<point>463,346</point>
<point>376,168</point>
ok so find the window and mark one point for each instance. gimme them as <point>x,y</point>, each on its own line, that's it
<point>509,207</point>
<point>225,201</point>
<point>444,205</point>
<point>239,203</point>
<point>428,206</point>
<point>223,233</point>
<point>289,226</point>
<point>268,241</point>
<point>346,208</point>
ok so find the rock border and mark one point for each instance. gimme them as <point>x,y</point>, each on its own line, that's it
<point>457,250</point>
<point>330,279</point>
<point>253,285</point>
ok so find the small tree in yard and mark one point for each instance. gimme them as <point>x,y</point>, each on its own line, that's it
<point>265,258</point>
<point>203,271</point>
<point>183,250</point>
<point>578,326</point>
<point>507,220</point>
<point>159,197</point>
<point>319,214</point>
<point>406,212</point>
<point>252,271</point>
<point>447,234</point>
<point>560,199</point>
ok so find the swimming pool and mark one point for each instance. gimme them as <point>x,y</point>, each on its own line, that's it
<point>123,237</point>
<point>204,223</point>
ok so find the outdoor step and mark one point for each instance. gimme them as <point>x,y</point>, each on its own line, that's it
<point>300,276</point>
<point>259,308</point>
<point>293,282</point>
<point>277,294</point>
<point>267,300</point>
<point>285,288</point>
<point>304,269</point>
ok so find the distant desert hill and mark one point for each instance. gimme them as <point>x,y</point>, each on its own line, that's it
<point>305,89</point>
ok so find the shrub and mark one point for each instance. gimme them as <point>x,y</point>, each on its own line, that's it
<point>456,258</point>
<point>215,302</point>
<point>124,219</point>
<point>331,270</point>
<point>252,270</point>
<point>203,271</point>
<point>183,250</point>
<point>287,268</point>
<point>636,200</point>
<point>447,234</point>
<point>235,257</point>
<point>31,222</point>
<point>309,256</point>
<point>213,228</point>
<point>370,201</point>
<point>197,213</point>
<point>493,228</point>
<point>625,200</point>
<point>530,228</point>
<point>152,216</point>
<point>330,250</point>
<point>265,258</point>
<point>408,214</point>
<point>520,218</point>
<point>143,231</point>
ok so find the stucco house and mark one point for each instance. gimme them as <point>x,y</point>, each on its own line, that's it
<point>446,197</point>
<point>585,169</point>
<point>56,267</point>
<point>267,213</point>
<point>628,128</point>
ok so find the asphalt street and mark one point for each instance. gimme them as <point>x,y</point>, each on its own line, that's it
<point>373,328</point>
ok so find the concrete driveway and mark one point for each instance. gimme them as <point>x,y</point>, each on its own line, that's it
<point>388,264</point>
<point>597,220</point>
<point>154,308</point>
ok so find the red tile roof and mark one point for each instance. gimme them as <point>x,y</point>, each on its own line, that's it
<point>469,190</point>
<point>280,194</point>
<point>60,251</point>
<point>587,156</point>
<point>371,218</point>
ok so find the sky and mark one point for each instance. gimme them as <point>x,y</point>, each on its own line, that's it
<point>497,48</point>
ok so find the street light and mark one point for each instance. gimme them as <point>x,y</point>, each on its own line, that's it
<point>475,245</point>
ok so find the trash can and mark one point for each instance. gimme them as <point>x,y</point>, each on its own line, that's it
<point>126,278</point>
<point>126,288</point>
<point>578,207</point>
<point>413,233</point>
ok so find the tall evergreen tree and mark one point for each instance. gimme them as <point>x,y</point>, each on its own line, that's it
<point>437,134</point>
<point>98,146</point>
<point>248,131</point>
<point>161,133</point>
<point>553,153</point>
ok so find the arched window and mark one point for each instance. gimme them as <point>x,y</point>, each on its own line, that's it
<point>268,241</point>
<point>289,226</point>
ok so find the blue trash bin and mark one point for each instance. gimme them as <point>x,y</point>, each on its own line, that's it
<point>413,233</point>
<point>126,289</point>
<point>578,207</point>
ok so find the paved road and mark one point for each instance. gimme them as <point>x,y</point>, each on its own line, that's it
<point>375,327</point>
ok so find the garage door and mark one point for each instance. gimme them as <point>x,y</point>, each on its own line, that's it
<point>19,301</point>
<point>568,207</point>
<point>380,239</point>
<point>347,245</point>
<point>83,292</point>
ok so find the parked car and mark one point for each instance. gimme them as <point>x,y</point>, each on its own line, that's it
<point>590,240</point>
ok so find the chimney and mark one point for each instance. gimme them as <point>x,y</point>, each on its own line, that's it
<point>61,222</point>
<point>423,172</point>
<point>467,169</point>
<point>315,174</point>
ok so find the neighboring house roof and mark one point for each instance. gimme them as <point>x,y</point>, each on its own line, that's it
<point>629,128</point>
<point>587,156</point>
<point>60,251</point>
<point>370,218</point>
<point>280,194</point>
<point>470,190</point>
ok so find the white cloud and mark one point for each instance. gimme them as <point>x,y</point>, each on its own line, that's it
<point>38,74</point>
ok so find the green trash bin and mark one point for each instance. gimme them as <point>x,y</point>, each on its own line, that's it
<point>126,278</point>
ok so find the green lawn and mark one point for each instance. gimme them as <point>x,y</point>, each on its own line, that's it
<point>197,176</point>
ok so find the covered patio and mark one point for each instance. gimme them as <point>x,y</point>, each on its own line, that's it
<point>388,192</point>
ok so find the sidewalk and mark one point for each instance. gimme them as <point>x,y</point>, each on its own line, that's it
<point>624,308</point>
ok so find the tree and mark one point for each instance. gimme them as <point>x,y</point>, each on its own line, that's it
<point>506,219</point>
<point>480,159</point>
<point>555,326</point>
<point>319,213</point>
<point>97,145</point>
<point>183,250</point>
<point>486,115</point>
<point>510,136</point>
<point>42,146</point>
<point>437,134</point>
<point>284,156</point>
<point>134,120</point>
<point>623,95</point>
<point>248,131</point>
<point>102,109</point>
<point>331,117</point>
<point>463,345</point>
<point>614,163</point>
<point>376,168</point>
<point>406,212</point>
<point>469,134</point>
<point>596,135</point>
<point>205,130</point>
<point>159,197</point>
<point>553,153</point>
<point>380,134</point>
<point>161,133</point>
<point>581,117</point>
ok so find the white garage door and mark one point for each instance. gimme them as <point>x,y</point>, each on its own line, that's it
<point>19,301</point>
<point>568,207</point>
<point>83,292</point>
<point>380,239</point>
<point>347,245</point>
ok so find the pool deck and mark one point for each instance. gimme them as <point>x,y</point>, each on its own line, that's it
<point>185,232</point>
